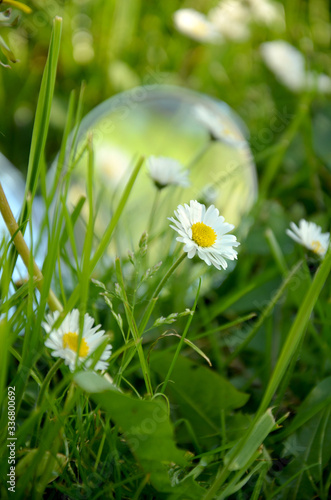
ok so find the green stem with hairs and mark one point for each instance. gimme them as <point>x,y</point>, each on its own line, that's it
<point>181,342</point>
<point>158,289</point>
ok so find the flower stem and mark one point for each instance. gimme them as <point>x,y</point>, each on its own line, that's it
<point>23,250</point>
<point>158,289</point>
<point>134,329</point>
<point>195,160</point>
<point>181,342</point>
<point>153,211</point>
<point>167,275</point>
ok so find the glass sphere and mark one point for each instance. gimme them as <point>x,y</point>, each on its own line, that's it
<point>203,134</point>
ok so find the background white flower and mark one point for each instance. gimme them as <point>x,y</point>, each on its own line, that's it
<point>232,18</point>
<point>195,25</point>
<point>203,232</point>
<point>64,340</point>
<point>289,66</point>
<point>219,129</point>
<point>310,236</point>
<point>166,171</point>
<point>268,12</point>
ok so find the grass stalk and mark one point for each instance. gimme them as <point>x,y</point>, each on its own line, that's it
<point>294,337</point>
<point>23,250</point>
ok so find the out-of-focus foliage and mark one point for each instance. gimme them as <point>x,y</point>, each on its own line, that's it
<point>117,45</point>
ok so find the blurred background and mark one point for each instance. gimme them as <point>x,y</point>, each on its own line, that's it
<point>117,45</point>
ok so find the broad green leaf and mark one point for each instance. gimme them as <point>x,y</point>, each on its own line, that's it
<point>148,432</point>
<point>199,394</point>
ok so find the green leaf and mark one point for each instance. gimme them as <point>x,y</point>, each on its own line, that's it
<point>43,111</point>
<point>317,400</point>
<point>234,459</point>
<point>58,465</point>
<point>199,393</point>
<point>7,50</point>
<point>310,447</point>
<point>148,432</point>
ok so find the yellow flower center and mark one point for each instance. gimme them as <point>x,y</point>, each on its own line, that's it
<point>70,340</point>
<point>203,235</point>
<point>317,247</point>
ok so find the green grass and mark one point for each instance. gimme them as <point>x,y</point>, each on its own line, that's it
<point>218,383</point>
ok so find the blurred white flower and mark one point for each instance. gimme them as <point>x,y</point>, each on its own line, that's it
<point>217,128</point>
<point>288,65</point>
<point>195,25</point>
<point>231,18</point>
<point>204,232</point>
<point>64,340</point>
<point>167,171</point>
<point>268,12</point>
<point>310,236</point>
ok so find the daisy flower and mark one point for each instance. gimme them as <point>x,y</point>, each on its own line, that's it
<point>64,340</point>
<point>268,12</point>
<point>203,232</point>
<point>231,18</point>
<point>166,171</point>
<point>310,236</point>
<point>289,66</point>
<point>195,25</point>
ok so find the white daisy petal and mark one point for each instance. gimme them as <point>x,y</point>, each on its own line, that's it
<point>64,340</point>
<point>196,26</point>
<point>204,232</point>
<point>294,236</point>
<point>310,235</point>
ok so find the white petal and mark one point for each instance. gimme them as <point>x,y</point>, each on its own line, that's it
<point>188,215</point>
